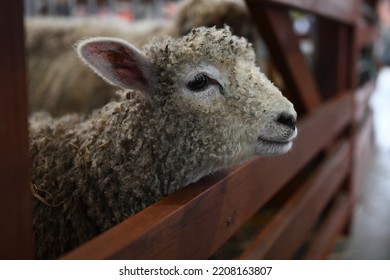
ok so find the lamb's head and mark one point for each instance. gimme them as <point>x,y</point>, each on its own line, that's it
<point>205,89</point>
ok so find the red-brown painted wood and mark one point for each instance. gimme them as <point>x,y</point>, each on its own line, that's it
<point>362,153</point>
<point>362,97</point>
<point>287,230</point>
<point>286,53</point>
<point>345,11</point>
<point>15,213</point>
<point>330,229</point>
<point>367,34</point>
<point>333,67</point>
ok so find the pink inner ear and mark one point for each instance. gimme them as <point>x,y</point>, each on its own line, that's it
<point>122,61</point>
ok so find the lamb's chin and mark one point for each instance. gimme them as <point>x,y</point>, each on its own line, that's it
<point>273,148</point>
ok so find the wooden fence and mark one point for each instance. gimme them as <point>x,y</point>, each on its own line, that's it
<point>303,200</point>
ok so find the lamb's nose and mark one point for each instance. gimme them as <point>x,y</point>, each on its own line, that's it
<point>288,120</point>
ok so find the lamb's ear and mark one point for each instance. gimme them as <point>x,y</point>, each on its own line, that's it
<point>117,61</point>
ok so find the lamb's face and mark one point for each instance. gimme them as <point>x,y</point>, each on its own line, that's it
<point>242,112</point>
<point>209,98</point>
<point>273,122</point>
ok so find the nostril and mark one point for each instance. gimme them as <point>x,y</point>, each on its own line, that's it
<point>287,120</point>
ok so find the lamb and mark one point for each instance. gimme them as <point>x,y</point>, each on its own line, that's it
<point>56,75</point>
<point>189,107</point>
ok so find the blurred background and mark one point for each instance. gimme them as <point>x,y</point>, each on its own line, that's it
<point>128,10</point>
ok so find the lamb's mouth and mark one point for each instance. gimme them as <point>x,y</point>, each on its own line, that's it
<point>273,147</point>
<point>274,142</point>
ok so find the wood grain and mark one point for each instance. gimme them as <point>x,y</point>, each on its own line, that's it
<point>330,229</point>
<point>287,230</point>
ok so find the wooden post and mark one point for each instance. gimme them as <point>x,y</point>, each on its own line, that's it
<point>286,54</point>
<point>15,199</point>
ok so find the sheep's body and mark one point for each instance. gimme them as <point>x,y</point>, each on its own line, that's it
<point>94,174</point>
<point>56,76</point>
<point>90,173</point>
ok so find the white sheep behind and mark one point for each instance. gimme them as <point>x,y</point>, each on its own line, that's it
<point>189,107</point>
<point>56,76</point>
<point>218,13</point>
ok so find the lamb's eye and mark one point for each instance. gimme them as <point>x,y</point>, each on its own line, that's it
<point>198,83</point>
